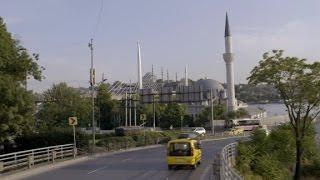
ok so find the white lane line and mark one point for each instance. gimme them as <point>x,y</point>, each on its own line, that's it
<point>98,169</point>
<point>128,159</point>
<point>95,170</point>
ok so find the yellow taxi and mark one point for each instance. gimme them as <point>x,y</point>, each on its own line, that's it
<point>183,152</point>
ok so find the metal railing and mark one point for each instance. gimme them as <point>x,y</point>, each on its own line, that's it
<point>29,158</point>
<point>223,163</point>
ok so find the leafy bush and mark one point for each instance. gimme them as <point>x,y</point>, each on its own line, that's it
<point>273,156</point>
<point>136,139</point>
<point>116,143</point>
<point>270,168</point>
<point>50,137</point>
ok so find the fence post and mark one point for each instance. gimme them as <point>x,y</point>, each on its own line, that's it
<point>30,161</point>
<point>1,166</point>
<point>61,150</point>
<point>54,155</point>
<point>48,154</point>
<point>15,158</point>
<point>74,152</point>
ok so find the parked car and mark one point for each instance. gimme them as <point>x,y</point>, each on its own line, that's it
<point>122,130</point>
<point>200,130</point>
<point>188,136</point>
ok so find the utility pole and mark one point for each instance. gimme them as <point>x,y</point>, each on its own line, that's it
<point>126,119</point>
<point>154,113</point>
<point>152,79</point>
<point>176,77</point>
<point>162,75</point>
<point>130,103</point>
<point>212,125</point>
<point>92,82</point>
<point>135,112</point>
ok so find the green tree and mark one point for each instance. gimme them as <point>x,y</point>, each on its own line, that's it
<point>148,110</point>
<point>239,113</point>
<point>16,103</point>
<point>105,106</point>
<point>298,84</point>
<point>172,115</point>
<point>61,102</point>
<point>205,116</point>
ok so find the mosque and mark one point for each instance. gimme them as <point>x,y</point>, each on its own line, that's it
<point>198,94</point>
<point>195,95</point>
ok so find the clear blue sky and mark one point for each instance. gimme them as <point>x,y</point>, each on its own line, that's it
<point>172,33</point>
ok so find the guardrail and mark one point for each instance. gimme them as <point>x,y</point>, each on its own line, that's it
<point>31,157</point>
<point>224,162</point>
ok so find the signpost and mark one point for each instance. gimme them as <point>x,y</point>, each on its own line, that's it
<point>143,117</point>
<point>181,125</point>
<point>73,121</point>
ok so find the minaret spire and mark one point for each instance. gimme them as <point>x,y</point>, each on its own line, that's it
<point>185,75</point>
<point>228,58</point>
<point>227,29</point>
<point>139,66</point>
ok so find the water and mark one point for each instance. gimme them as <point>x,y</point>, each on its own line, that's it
<point>272,109</point>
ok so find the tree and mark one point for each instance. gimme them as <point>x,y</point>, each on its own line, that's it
<point>16,103</point>
<point>148,110</point>
<point>239,113</point>
<point>205,116</point>
<point>62,102</point>
<point>172,115</point>
<point>105,106</point>
<point>298,84</point>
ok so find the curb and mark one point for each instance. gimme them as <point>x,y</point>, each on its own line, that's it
<point>231,137</point>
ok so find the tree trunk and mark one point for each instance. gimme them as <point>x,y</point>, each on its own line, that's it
<point>298,159</point>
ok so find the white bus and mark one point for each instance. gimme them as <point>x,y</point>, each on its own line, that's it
<point>246,124</point>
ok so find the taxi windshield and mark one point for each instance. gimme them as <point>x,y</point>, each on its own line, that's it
<point>180,149</point>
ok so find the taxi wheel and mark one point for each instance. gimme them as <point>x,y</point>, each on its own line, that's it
<point>169,167</point>
<point>194,166</point>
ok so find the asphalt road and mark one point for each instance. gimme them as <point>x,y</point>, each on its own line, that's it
<point>145,164</point>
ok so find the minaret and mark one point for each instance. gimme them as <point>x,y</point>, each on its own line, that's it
<point>228,58</point>
<point>152,73</point>
<point>185,76</point>
<point>139,66</point>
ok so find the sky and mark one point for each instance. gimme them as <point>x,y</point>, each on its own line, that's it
<point>172,33</point>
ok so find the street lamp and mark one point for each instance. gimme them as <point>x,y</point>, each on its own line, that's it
<point>92,82</point>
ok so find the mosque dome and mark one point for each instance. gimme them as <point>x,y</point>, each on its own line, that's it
<point>209,84</point>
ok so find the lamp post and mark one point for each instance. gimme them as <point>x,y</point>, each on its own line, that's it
<point>92,82</point>
<point>211,101</point>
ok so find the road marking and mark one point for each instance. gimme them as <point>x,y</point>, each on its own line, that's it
<point>128,159</point>
<point>98,169</point>
<point>95,170</point>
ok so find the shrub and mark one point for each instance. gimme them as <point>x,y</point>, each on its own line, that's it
<point>270,168</point>
<point>273,156</point>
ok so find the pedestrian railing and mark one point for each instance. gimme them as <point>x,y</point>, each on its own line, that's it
<point>224,162</point>
<point>29,158</point>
